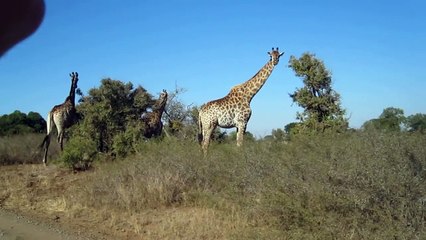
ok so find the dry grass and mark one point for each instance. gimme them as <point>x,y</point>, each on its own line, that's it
<point>349,186</point>
<point>24,149</point>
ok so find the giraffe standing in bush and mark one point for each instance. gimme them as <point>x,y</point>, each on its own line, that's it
<point>62,116</point>
<point>152,120</point>
<point>233,110</point>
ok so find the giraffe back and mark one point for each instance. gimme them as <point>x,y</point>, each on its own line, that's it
<point>64,113</point>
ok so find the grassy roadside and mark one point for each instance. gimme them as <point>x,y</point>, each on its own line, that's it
<point>350,186</point>
<point>25,149</point>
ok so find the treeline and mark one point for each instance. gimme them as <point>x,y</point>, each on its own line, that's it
<point>21,123</point>
<point>392,119</point>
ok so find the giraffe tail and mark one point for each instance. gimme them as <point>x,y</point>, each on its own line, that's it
<point>200,129</point>
<point>49,124</point>
<point>45,139</point>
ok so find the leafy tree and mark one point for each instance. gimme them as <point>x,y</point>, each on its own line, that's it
<point>111,115</point>
<point>21,123</point>
<point>290,128</point>
<point>181,119</point>
<point>416,123</point>
<point>391,119</point>
<point>282,134</point>
<point>36,122</point>
<point>278,134</point>
<point>320,102</point>
<point>372,124</point>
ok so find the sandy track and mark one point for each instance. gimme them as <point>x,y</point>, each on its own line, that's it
<point>16,227</point>
<point>26,213</point>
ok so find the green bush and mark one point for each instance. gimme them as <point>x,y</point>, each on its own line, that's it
<point>79,153</point>
<point>111,110</point>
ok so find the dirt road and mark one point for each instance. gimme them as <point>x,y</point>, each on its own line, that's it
<point>32,205</point>
<point>16,227</point>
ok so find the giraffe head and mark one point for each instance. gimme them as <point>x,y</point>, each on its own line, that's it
<point>163,96</point>
<point>275,56</point>
<point>74,80</point>
<point>162,100</point>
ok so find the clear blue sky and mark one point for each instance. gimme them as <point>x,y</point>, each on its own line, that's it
<point>374,49</point>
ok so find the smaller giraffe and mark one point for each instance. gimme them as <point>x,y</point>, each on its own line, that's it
<point>62,116</point>
<point>152,120</point>
<point>234,110</point>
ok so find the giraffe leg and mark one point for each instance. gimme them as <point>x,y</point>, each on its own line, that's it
<point>46,141</point>
<point>61,140</point>
<point>59,122</point>
<point>240,135</point>
<point>46,144</point>
<point>207,133</point>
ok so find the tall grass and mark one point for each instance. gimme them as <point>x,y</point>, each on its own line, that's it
<point>349,186</point>
<point>24,149</point>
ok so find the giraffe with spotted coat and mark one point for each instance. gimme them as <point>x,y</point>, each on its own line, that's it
<point>234,110</point>
<point>62,116</point>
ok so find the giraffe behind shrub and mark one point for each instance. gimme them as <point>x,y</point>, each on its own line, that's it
<point>152,120</point>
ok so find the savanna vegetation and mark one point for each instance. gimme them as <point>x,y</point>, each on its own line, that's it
<point>313,179</point>
<point>21,123</point>
<point>359,185</point>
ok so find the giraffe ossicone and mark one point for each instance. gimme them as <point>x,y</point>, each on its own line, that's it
<point>62,116</point>
<point>234,110</point>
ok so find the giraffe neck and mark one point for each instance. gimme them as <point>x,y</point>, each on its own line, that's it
<point>254,84</point>
<point>71,96</point>
<point>159,111</point>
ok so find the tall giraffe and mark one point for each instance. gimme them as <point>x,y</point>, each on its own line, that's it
<point>152,120</point>
<point>233,110</point>
<point>62,116</point>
